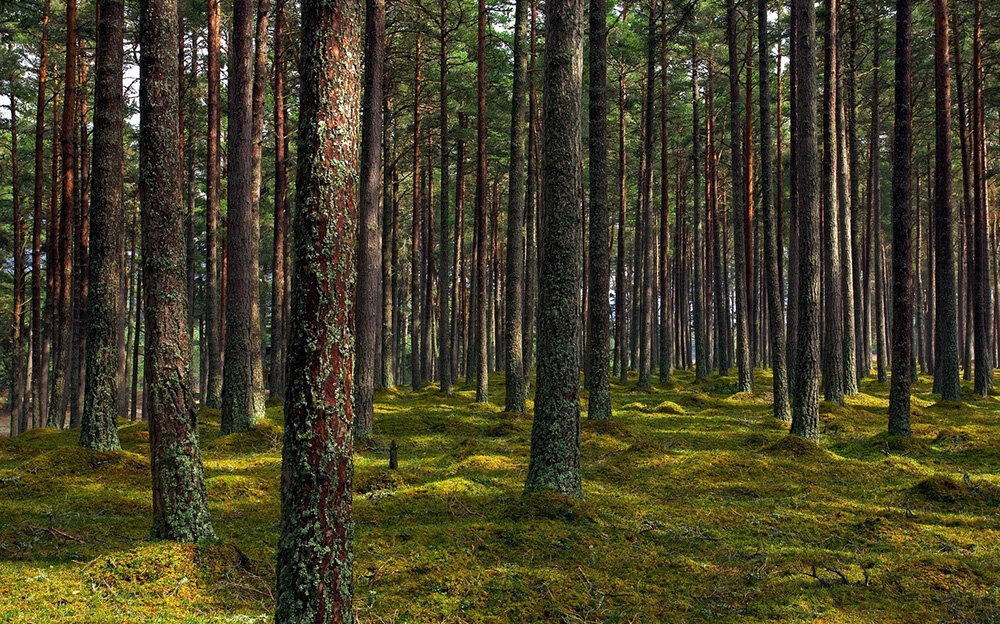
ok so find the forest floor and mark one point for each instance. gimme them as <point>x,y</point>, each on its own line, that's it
<point>697,508</point>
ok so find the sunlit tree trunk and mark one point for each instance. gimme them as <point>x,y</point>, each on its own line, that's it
<point>314,571</point>
<point>180,508</point>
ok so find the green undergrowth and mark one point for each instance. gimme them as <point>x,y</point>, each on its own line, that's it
<point>698,507</point>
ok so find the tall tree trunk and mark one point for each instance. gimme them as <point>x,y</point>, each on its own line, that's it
<point>772,250</point>
<point>445,302</point>
<point>416,378</point>
<point>702,365</point>
<point>369,221</point>
<point>532,193</point>
<point>862,344</point>
<point>39,350</point>
<point>621,289</point>
<point>242,394</point>
<point>902,229</point>
<point>833,313</point>
<point>805,404</point>
<point>666,336</point>
<point>180,508</point>
<point>875,202</point>
<point>946,320</point>
<point>389,208</point>
<point>516,392</point>
<point>845,218</point>
<point>314,572</point>
<point>62,262</point>
<point>646,202</point>
<point>981,299</point>
<point>18,394</point>
<point>741,212</point>
<point>967,201</point>
<point>106,318</point>
<point>555,434</point>
<point>482,372</point>
<point>279,295</point>
<point>213,308</point>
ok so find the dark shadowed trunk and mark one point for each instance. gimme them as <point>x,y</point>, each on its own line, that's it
<point>772,251</point>
<point>106,317</point>
<point>946,320</point>
<point>279,295</point>
<point>242,391</point>
<point>555,433</point>
<point>369,290</point>
<point>213,309</point>
<point>805,405</point>
<point>902,229</point>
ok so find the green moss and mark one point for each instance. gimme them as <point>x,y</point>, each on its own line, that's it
<point>669,407</point>
<point>708,515</point>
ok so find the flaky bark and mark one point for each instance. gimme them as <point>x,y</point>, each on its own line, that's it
<point>314,572</point>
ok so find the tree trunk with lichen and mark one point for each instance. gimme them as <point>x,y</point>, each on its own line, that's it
<point>555,433</point>
<point>106,316</point>
<point>180,507</point>
<point>314,572</point>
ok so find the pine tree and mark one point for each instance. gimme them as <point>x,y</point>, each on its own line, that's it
<point>106,317</point>
<point>180,507</point>
<point>555,433</point>
<point>902,228</point>
<point>369,289</point>
<point>314,571</point>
